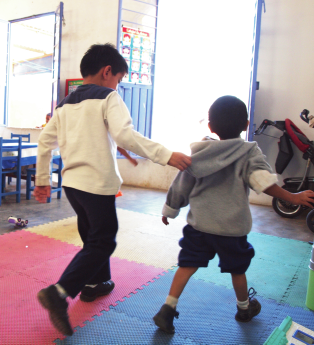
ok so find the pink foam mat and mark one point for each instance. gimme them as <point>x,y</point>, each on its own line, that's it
<point>22,275</point>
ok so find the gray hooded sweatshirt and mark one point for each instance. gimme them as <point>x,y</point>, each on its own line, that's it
<point>216,186</point>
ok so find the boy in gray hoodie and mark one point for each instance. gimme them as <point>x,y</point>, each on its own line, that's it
<point>216,186</point>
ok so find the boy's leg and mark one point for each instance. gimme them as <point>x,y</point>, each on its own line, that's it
<point>235,255</point>
<point>247,306</point>
<point>91,265</point>
<point>180,279</point>
<point>91,261</point>
<point>164,318</point>
<point>100,284</point>
<point>240,286</point>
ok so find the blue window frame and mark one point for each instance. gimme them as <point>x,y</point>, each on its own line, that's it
<point>56,57</point>
<point>140,15</point>
<point>259,4</point>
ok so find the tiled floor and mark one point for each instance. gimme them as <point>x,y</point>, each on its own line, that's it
<point>147,201</point>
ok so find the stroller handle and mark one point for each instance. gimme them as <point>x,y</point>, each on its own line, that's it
<point>263,126</point>
<point>304,115</point>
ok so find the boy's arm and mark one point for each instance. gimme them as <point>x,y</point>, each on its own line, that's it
<point>126,155</point>
<point>121,129</point>
<point>178,195</point>
<point>261,179</point>
<point>301,198</point>
<point>46,143</point>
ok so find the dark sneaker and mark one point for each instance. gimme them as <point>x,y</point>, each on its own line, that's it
<point>246,315</point>
<point>89,294</point>
<point>164,318</point>
<point>49,298</point>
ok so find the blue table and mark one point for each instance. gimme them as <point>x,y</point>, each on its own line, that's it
<point>25,159</point>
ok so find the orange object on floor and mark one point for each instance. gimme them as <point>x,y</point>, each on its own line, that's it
<point>119,194</point>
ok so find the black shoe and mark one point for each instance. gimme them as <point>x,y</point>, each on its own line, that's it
<point>164,318</point>
<point>89,294</point>
<point>246,315</point>
<point>49,298</point>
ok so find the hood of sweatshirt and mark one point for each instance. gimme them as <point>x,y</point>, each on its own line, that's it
<point>210,156</point>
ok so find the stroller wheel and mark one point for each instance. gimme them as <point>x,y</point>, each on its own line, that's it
<point>286,209</point>
<point>310,220</point>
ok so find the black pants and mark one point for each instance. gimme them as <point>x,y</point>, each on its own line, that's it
<point>97,225</point>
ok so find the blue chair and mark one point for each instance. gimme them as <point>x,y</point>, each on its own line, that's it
<point>27,136</point>
<point>16,170</point>
<point>31,172</point>
<point>28,139</point>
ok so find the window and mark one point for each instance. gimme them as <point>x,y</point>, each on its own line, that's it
<point>30,72</point>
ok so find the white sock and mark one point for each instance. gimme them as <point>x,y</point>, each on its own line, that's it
<point>62,293</point>
<point>172,301</point>
<point>244,304</point>
<point>92,285</point>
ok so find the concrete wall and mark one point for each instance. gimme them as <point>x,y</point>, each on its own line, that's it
<point>285,69</point>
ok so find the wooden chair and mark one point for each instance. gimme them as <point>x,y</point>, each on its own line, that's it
<point>26,136</point>
<point>31,172</point>
<point>16,170</point>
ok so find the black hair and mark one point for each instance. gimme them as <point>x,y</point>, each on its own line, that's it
<point>228,117</point>
<point>102,55</point>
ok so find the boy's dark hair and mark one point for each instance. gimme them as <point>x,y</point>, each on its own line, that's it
<point>227,117</point>
<point>102,55</point>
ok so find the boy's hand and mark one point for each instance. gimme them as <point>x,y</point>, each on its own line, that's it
<point>179,160</point>
<point>165,220</point>
<point>304,198</point>
<point>134,161</point>
<point>41,193</point>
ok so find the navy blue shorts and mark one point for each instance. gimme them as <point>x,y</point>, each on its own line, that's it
<point>198,248</point>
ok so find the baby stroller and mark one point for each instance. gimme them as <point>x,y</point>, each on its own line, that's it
<point>291,133</point>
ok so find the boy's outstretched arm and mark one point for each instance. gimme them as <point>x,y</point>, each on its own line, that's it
<point>302,198</point>
<point>119,122</point>
<point>180,161</point>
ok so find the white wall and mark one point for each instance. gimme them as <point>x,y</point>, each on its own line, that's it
<point>285,73</point>
<point>285,68</point>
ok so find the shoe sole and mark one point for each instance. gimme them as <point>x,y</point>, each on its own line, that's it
<point>53,315</point>
<point>159,323</point>
<point>85,298</point>
<point>248,320</point>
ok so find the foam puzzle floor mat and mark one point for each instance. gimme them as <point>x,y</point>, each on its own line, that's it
<point>33,258</point>
<point>206,317</point>
<point>32,262</point>
<point>141,238</point>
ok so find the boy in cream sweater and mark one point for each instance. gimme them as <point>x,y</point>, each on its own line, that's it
<point>87,126</point>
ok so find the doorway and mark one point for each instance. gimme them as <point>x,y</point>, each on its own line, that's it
<point>204,51</point>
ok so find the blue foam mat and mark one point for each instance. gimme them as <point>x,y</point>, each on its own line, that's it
<point>118,328</point>
<point>206,317</point>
